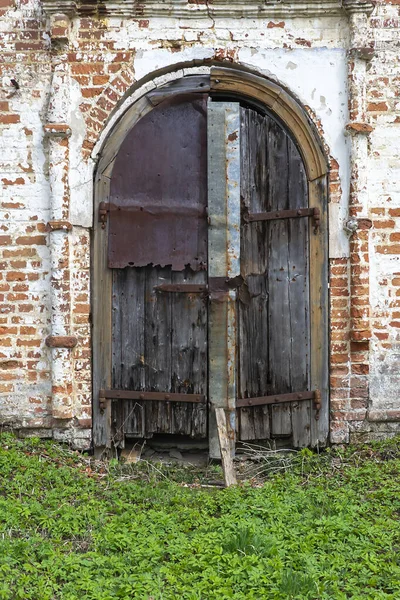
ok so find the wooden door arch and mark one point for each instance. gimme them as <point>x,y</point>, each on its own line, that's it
<point>270,98</point>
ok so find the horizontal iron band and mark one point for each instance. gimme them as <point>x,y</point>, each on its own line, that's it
<point>278,399</point>
<point>282,214</point>
<point>183,288</point>
<point>156,396</point>
<point>215,284</point>
<point>153,209</point>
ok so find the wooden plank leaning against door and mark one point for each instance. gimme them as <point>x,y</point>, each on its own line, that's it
<point>223,261</point>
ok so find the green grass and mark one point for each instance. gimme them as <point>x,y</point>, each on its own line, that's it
<point>326,528</point>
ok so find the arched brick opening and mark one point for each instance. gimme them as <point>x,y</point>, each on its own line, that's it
<point>235,82</point>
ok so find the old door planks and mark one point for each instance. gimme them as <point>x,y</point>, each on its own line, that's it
<point>189,354</point>
<point>158,235</point>
<point>157,355</point>
<point>128,348</point>
<point>280,333</point>
<point>274,343</point>
<point>253,299</point>
<point>299,293</point>
<point>159,344</point>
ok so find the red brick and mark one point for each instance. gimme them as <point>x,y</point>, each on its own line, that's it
<point>16,276</point>
<point>37,240</point>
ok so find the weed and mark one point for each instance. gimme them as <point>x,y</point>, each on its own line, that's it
<point>309,527</point>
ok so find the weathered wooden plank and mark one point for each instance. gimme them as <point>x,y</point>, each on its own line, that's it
<point>101,330</point>
<point>281,420</point>
<point>159,344</point>
<point>223,260</point>
<point>157,353</point>
<point>255,423</point>
<point>254,189</point>
<point>186,85</point>
<point>224,189</point>
<point>129,344</point>
<point>189,354</point>
<point>226,450</point>
<point>118,307</point>
<point>253,304</point>
<point>299,294</point>
<point>319,295</point>
<point>280,327</point>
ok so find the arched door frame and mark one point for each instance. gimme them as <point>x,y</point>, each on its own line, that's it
<point>237,83</point>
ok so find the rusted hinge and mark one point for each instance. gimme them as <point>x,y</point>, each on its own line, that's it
<point>182,288</point>
<point>105,395</point>
<point>281,398</point>
<point>104,209</point>
<point>317,403</point>
<point>102,401</point>
<point>314,213</point>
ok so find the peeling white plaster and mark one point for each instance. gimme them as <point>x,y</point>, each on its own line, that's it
<point>80,172</point>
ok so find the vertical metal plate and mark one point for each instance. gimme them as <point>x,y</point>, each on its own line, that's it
<point>157,209</point>
<point>224,260</point>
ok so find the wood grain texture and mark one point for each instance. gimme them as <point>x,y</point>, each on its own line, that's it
<point>189,354</point>
<point>319,294</point>
<point>160,345</point>
<point>273,97</point>
<point>225,447</point>
<point>101,327</point>
<point>253,304</point>
<point>274,329</point>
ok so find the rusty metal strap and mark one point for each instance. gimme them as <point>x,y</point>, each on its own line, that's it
<point>283,214</point>
<point>215,285</point>
<point>182,288</point>
<point>152,209</point>
<point>297,397</point>
<point>157,396</point>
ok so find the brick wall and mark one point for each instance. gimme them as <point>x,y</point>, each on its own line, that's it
<point>101,60</point>
<point>24,369</point>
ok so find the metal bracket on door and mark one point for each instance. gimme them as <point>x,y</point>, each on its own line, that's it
<point>280,398</point>
<point>215,285</point>
<point>104,209</point>
<point>314,213</point>
<point>105,395</point>
<point>182,288</point>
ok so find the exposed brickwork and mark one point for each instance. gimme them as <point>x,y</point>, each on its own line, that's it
<point>102,60</point>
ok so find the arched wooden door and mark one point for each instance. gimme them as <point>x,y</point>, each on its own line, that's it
<point>208,227</point>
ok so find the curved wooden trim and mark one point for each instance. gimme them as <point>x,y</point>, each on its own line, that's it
<point>284,106</point>
<point>241,83</point>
